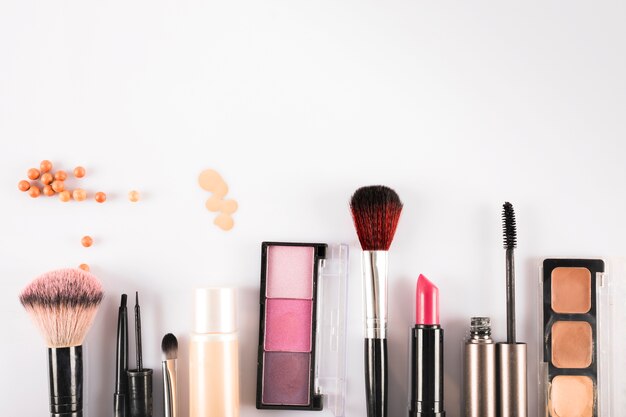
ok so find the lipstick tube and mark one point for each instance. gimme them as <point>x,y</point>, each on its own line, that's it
<point>426,388</point>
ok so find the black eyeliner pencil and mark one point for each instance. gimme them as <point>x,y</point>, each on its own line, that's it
<point>120,403</point>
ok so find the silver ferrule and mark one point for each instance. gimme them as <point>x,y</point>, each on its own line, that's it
<point>169,388</point>
<point>375,293</point>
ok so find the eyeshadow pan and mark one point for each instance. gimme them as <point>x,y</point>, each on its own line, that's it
<point>572,344</point>
<point>286,378</point>
<point>290,272</point>
<point>571,396</point>
<point>288,325</point>
<point>571,290</point>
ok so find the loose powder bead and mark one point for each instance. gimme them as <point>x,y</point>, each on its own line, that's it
<point>86,241</point>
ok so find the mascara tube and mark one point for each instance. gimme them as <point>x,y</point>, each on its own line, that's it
<point>479,375</point>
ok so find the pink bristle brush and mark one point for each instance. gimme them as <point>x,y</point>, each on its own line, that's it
<point>63,304</point>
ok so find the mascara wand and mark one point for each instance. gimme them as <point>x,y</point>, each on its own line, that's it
<point>509,230</point>
<point>511,356</point>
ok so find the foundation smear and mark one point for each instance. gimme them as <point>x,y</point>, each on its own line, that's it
<point>572,344</point>
<point>213,182</point>
<point>571,396</point>
<point>571,290</point>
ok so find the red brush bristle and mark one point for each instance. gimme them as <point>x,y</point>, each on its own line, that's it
<point>375,210</point>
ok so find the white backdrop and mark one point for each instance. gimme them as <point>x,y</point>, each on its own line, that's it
<point>457,106</point>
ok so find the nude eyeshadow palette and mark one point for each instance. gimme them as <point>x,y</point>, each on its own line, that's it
<point>571,337</point>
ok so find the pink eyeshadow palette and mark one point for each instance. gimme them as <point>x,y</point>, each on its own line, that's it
<point>298,338</point>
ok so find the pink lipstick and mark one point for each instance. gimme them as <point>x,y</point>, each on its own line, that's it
<point>426,389</point>
<point>427,302</point>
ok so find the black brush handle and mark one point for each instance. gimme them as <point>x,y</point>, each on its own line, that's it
<point>376,377</point>
<point>65,372</point>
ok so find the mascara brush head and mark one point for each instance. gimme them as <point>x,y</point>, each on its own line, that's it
<point>509,228</point>
<point>375,210</point>
<point>169,346</point>
<point>63,304</point>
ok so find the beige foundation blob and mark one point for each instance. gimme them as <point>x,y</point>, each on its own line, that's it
<point>571,396</point>
<point>571,290</point>
<point>212,181</point>
<point>572,344</point>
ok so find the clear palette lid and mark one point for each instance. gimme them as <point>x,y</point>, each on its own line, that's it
<point>332,287</point>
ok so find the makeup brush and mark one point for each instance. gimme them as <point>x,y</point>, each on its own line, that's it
<point>63,304</point>
<point>169,346</point>
<point>140,379</point>
<point>375,211</point>
<point>511,356</point>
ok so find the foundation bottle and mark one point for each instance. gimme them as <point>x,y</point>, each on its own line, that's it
<point>214,355</point>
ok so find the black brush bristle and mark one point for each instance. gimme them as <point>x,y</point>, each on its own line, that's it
<point>509,228</point>
<point>169,346</point>
<point>375,210</point>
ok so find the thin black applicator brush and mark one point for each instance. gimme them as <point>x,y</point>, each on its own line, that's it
<point>375,211</point>
<point>138,352</point>
<point>511,356</point>
<point>140,379</point>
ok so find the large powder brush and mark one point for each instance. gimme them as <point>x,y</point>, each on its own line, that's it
<point>375,210</point>
<point>63,304</point>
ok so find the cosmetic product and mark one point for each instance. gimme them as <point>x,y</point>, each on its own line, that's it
<point>169,347</point>
<point>479,376</point>
<point>120,398</point>
<point>140,379</point>
<point>575,353</point>
<point>426,389</point>
<point>213,182</point>
<point>214,355</point>
<point>302,329</point>
<point>511,356</point>
<point>63,304</point>
<point>375,211</point>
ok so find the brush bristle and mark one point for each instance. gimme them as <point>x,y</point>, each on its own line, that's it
<point>375,210</point>
<point>509,228</point>
<point>169,346</point>
<point>63,304</point>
